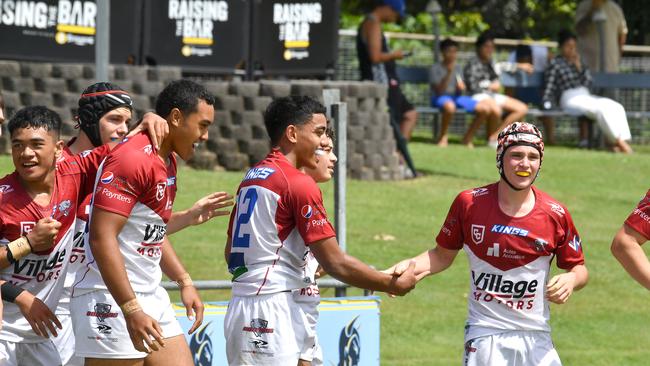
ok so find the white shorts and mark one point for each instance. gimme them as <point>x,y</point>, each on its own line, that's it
<point>311,350</point>
<point>100,329</point>
<point>513,348</point>
<point>264,330</point>
<point>499,99</point>
<point>64,342</point>
<point>28,354</point>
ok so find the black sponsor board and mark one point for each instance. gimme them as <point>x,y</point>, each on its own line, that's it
<point>210,35</point>
<point>64,30</point>
<point>294,37</point>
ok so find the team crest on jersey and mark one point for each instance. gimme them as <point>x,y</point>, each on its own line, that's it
<point>85,153</point>
<point>64,207</point>
<point>478,232</point>
<point>307,211</point>
<point>575,243</point>
<point>539,245</point>
<point>26,227</point>
<point>5,188</point>
<point>160,190</point>
<point>147,149</point>
<point>555,207</point>
<point>107,177</point>
<point>477,192</point>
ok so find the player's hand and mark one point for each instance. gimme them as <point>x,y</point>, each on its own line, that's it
<point>144,331</point>
<point>405,282</point>
<point>193,306</point>
<point>156,127</point>
<point>560,287</point>
<point>42,235</point>
<point>526,67</point>
<point>209,207</point>
<point>460,85</point>
<point>398,54</point>
<point>39,316</point>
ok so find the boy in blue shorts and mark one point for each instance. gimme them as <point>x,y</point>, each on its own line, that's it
<point>448,87</point>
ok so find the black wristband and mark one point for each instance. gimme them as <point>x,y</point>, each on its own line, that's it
<point>10,291</point>
<point>10,256</point>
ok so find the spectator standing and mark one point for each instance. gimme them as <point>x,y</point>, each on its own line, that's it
<point>592,18</point>
<point>377,61</point>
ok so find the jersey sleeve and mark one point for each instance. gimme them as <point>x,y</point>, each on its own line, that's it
<point>639,219</point>
<point>307,207</point>
<point>569,250</point>
<point>89,162</point>
<point>451,234</point>
<point>121,182</point>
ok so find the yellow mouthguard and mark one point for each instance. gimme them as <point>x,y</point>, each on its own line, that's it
<point>523,174</point>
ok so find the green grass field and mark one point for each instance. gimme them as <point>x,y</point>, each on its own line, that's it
<point>607,323</point>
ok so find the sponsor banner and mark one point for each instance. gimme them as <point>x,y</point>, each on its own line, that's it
<point>348,332</point>
<point>64,30</point>
<point>197,34</point>
<point>295,37</point>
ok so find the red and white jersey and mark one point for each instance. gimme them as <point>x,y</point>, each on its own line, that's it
<point>41,273</point>
<point>279,212</point>
<point>310,294</point>
<point>639,219</point>
<point>78,254</point>
<point>509,258</point>
<point>135,183</point>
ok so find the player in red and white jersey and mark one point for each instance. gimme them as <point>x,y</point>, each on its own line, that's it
<point>278,217</point>
<point>510,231</point>
<point>40,187</point>
<point>131,213</point>
<point>627,243</point>
<point>309,297</point>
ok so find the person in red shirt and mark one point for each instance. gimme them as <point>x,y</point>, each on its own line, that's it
<point>627,243</point>
<point>511,231</point>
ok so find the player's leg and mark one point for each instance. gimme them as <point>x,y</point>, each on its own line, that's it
<point>516,112</point>
<point>482,111</point>
<point>114,362</point>
<point>175,353</point>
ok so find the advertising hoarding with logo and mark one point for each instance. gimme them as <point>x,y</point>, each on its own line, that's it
<point>197,34</point>
<point>64,30</point>
<point>348,332</point>
<point>294,37</point>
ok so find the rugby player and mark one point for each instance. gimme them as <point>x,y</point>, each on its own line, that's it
<point>309,297</point>
<point>279,215</point>
<point>627,243</point>
<point>120,311</point>
<point>511,231</point>
<point>42,190</point>
<point>104,115</point>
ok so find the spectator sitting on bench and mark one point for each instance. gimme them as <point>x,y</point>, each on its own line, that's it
<point>539,57</point>
<point>482,77</point>
<point>448,86</point>
<point>568,80</point>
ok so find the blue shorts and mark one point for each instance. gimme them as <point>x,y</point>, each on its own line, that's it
<point>461,101</point>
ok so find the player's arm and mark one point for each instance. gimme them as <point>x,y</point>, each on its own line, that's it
<point>39,316</point>
<point>227,248</point>
<point>430,262</point>
<point>173,268</point>
<point>349,269</point>
<point>202,211</point>
<point>626,247</point>
<point>373,37</point>
<point>105,226</point>
<point>156,127</point>
<point>562,286</point>
<point>41,238</point>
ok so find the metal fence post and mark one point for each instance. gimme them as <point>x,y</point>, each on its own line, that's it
<point>340,117</point>
<point>102,40</point>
